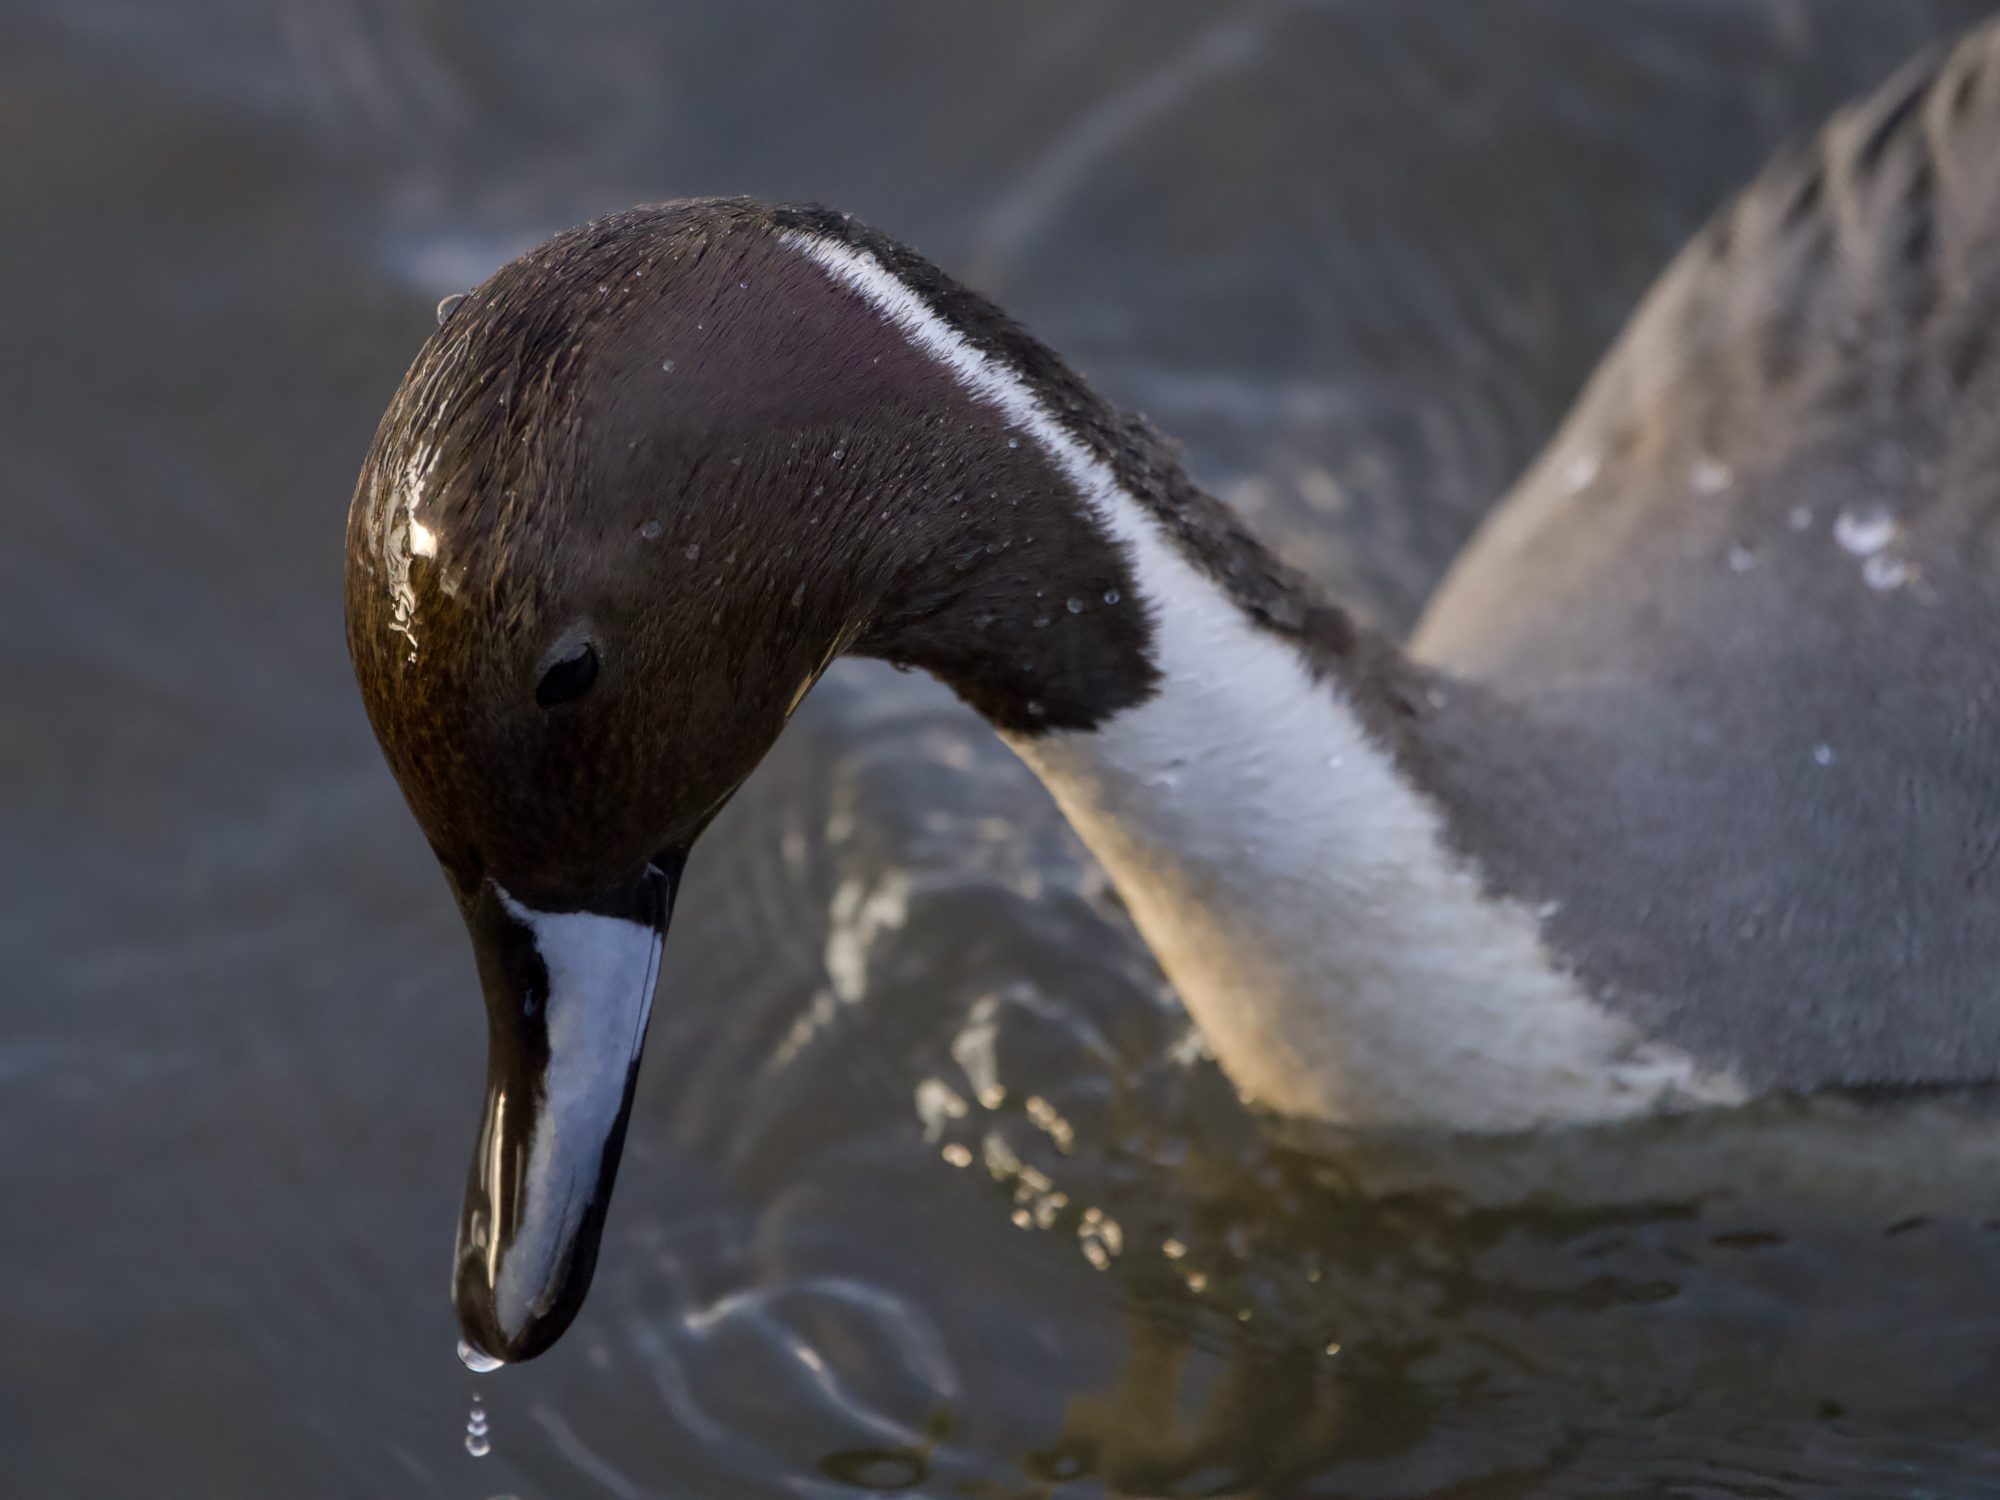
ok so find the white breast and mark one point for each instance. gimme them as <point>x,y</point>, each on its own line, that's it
<point>1343,963</point>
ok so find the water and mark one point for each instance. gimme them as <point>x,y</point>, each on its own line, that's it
<point>478,1363</point>
<point>241,1055</point>
<point>1865,530</point>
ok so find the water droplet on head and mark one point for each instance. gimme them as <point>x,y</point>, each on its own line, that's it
<point>693,553</point>
<point>1865,529</point>
<point>1111,596</point>
<point>449,306</point>
<point>478,1363</point>
<point>1823,755</point>
<point>650,530</point>
<point>1074,606</point>
<point>1013,442</point>
<point>667,365</point>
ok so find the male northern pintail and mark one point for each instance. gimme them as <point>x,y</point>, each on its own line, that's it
<point>1682,791</point>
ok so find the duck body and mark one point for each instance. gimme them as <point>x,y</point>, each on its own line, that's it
<point>1745,604</point>
<point>1680,793</point>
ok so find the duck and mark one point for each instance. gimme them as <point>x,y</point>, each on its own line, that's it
<point>1680,794</point>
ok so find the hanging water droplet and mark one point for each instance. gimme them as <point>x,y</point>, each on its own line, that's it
<point>1865,529</point>
<point>478,1363</point>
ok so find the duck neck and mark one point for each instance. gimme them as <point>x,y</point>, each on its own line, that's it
<point>1246,762</point>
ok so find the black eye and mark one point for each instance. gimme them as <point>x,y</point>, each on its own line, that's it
<point>569,679</point>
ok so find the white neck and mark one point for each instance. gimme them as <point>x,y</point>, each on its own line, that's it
<point>1343,963</point>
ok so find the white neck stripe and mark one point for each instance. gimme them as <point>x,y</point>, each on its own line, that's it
<point>1300,893</point>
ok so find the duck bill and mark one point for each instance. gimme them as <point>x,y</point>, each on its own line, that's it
<point>568,994</point>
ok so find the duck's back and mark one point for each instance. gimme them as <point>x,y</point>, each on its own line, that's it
<point>1746,612</point>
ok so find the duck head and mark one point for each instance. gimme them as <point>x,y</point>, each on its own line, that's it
<point>635,494</point>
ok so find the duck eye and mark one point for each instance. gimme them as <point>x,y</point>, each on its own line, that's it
<point>569,679</point>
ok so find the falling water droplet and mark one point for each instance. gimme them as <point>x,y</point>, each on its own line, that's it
<point>1741,559</point>
<point>1800,519</point>
<point>1709,477</point>
<point>1823,755</point>
<point>478,1363</point>
<point>1865,529</point>
<point>477,1442</point>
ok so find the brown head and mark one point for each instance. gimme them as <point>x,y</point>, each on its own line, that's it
<point>635,494</point>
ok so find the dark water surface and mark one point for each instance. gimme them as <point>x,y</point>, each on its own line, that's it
<point>928,1186</point>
